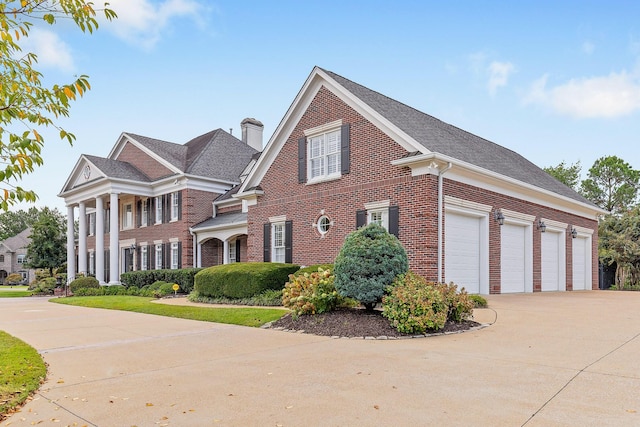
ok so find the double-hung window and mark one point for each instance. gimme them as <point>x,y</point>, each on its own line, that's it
<point>22,258</point>
<point>144,212</point>
<point>158,256</point>
<point>92,224</point>
<point>127,216</point>
<point>175,203</point>
<point>174,256</point>
<point>158,215</point>
<point>379,216</point>
<point>144,258</point>
<point>324,156</point>
<point>232,251</point>
<point>277,242</point>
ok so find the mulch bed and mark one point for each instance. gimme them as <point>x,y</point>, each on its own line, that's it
<point>356,323</point>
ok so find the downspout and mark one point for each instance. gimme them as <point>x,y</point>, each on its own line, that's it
<point>441,218</point>
<point>195,247</point>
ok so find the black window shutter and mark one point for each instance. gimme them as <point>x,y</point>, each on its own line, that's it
<point>139,257</point>
<point>288,242</point>
<point>138,213</point>
<point>151,211</point>
<point>107,220</point>
<point>344,149</point>
<point>107,266</point>
<point>166,255</point>
<point>166,208</point>
<point>88,222</point>
<point>151,257</point>
<point>267,242</point>
<point>302,160</point>
<point>179,205</point>
<point>238,250</point>
<point>361,218</point>
<point>179,254</point>
<point>394,220</point>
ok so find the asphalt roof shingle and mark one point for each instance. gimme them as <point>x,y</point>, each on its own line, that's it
<point>443,138</point>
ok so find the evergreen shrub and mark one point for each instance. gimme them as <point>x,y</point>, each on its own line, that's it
<point>242,279</point>
<point>368,262</point>
<point>82,282</point>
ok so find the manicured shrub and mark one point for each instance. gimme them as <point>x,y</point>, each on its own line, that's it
<point>83,282</point>
<point>414,305</point>
<point>314,269</point>
<point>478,301</point>
<point>310,293</point>
<point>242,279</point>
<point>43,286</point>
<point>368,262</point>
<point>268,298</point>
<point>183,277</point>
<point>13,279</point>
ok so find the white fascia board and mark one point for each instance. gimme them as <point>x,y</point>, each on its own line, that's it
<point>251,197</point>
<point>221,232</point>
<point>228,202</point>
<point>479,177</point>
<point>125,137</point>
<point>303,99</point>
<point>72,176</point>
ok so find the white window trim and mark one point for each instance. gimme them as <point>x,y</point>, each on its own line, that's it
<point>127,225</point>
<point>275,257</point>
<point>174,206</point>
<point>232,251</point>
<point>384,220</point>
<point>174,256</point>
<point>158,210</point>
<point>157,249</point>
<point>144,213</point>
<point>21,258</point>
<point>317,132</point>
<point>144,258</point>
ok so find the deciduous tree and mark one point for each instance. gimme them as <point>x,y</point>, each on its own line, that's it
<point>48,241</point>
<point>568,175</point>
<point>14,222</point>
<point>612,184</point>
<point>26,104</point>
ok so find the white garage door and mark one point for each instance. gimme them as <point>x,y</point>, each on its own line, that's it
<point>551,280</point>
<point>581,264</point>
<point>462,251</point>
<point>512,258</point>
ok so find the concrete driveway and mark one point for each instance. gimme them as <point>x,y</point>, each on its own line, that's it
<point>552,359</point>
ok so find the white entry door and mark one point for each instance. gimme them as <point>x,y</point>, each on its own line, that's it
<point>581,264</point>
<point>513,258</point>
<point>462,251</point>
<point>552,272</point>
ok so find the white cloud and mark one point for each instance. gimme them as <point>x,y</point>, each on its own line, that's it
<point>51,50</point>
<point>143,22</point>
<point>617,94</point>
<point>588,47</point>
<point>498,75</point>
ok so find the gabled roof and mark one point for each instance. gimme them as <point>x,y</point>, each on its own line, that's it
<point>418,133</point>
<point>117,169</point>
<point>19,241</point>
<point>173,153</point>
<point>440,137</point>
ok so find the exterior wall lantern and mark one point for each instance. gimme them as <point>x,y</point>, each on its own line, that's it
<point>574,232</point>
<point>499,217</point>
<point>542,226</point>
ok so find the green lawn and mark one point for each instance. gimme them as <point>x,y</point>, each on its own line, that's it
<point>244,316</point>
<point>14,291</point>
<point>21,371</point>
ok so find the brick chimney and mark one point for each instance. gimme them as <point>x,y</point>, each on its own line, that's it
<point>252,133</point>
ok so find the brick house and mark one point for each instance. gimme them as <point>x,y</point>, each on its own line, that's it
<point>13,255</point>
<point>135,207</point>
<point>466,210</point>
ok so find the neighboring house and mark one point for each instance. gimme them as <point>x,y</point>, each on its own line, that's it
<point>13,256</point>
<point>466,210</point>
<point>137,205</point>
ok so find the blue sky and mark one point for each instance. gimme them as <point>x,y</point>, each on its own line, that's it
<point>551,80</point>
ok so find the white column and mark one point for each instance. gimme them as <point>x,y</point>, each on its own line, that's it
<point>71,249</point>
<point>82,238</point>
<point>114,250</point>
<point>100,240</point>
<point>225,251</point>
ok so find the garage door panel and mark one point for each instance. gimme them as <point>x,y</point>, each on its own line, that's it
<point>513,258</point>
<point>551,271</point>
<point>581,264</point>
<point>462,251</point>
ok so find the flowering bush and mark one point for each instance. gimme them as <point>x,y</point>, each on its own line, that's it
<point>310,293</point>
<point>414,305</point>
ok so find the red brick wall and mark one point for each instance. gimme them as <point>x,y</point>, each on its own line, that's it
<point>143,162</point>
<point>372,178</point>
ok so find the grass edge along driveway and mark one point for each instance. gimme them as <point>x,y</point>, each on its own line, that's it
<point>14,291</point>
<point>243,316</point>
<point>22,370</point>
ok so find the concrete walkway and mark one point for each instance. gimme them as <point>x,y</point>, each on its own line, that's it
<point>552,359</point>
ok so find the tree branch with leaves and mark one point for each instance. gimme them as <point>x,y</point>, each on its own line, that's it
<point>26,105</point>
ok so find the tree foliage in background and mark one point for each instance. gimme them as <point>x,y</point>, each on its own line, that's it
<point>26,105</point>
<point>612,184</point>
<point>568,175</point>
<point>619,245</point>
<point>12,223</point>
<point>48,241</point>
